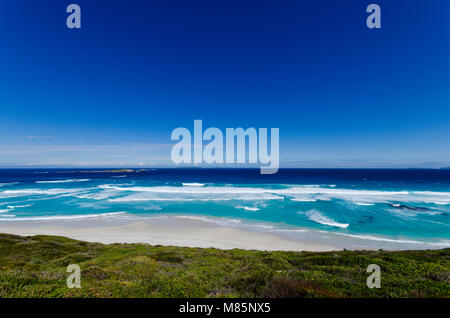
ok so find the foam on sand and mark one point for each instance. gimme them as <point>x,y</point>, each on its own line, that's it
<point>443,244</point>
<point>67,217</point>
<point>221,221</point>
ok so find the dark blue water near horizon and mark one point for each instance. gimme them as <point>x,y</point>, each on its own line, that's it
<point>369,177</point>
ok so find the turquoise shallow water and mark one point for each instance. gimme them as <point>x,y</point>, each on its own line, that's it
<point>379,205</point>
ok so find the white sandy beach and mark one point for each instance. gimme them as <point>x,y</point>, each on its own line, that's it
<point>191,233</point>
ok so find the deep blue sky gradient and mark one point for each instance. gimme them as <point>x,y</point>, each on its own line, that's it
<point>110,93</point>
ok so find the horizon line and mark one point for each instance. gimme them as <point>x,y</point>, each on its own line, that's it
<point>216,167</point>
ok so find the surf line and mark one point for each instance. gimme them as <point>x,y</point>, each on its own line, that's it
<point>213,152</point>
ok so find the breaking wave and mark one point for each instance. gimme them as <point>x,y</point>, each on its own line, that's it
<point>317,217</point>
<point>63,181</point>
<point>248,208</point>
<point>12,207</point>
<point>295,193</point>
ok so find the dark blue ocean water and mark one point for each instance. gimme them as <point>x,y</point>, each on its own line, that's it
<point>377,204</point>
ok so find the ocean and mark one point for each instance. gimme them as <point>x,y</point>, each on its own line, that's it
<point>376,208</point>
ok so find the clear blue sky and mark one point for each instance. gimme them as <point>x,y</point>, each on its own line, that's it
<point>110,93</point>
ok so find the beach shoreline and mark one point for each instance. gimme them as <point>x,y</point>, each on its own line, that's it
<point>205,232</point>
<point>312,210</point>
<point>167,232</point>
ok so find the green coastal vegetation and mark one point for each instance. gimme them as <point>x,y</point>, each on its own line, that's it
<point>35,266</point>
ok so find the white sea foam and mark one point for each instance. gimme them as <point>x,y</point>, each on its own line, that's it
<point>5,210</point>
<point>8,184</point>
<point>225,221</point>
<point>327,194</point>
<point>248,208</point>
<point>221,221</point>
<point>188,193</point>
<point>137,197</point>
<point>409,213</point>
<point>303,200</point>
<point>433,193</point>
<point>18,206</point>
<point>309,193</point>
<point>67,217</point>
<point>258,225</point>
<point>151,208</point>
<point>404,241</point>
<point>26,192</point>
<point>102,195</point>
<point>307,186</point>
<point>39,191</point>
<point>317,217</point>
<point>194,191</point>
<point>63,181</point>
<point>364,196</point>
<point>290,230</point>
